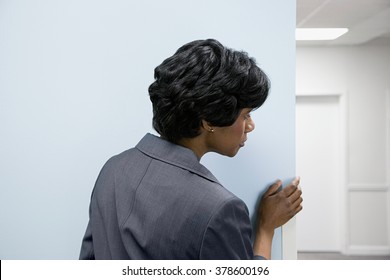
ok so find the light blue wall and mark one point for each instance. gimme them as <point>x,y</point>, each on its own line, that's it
<point>73,92</point>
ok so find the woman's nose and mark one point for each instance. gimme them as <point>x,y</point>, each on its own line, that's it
<point>250,126</point>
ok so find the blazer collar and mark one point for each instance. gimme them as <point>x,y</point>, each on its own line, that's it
<point>177,155</point>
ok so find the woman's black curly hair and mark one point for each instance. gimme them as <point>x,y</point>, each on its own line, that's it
<point>204,80</point>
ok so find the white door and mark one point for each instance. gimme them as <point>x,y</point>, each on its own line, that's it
<point>318,146</point>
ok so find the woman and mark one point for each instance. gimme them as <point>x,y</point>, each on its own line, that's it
<point>156,201</point>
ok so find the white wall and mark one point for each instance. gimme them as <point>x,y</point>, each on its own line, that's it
<point>73,92</point>
<point>363,73</point>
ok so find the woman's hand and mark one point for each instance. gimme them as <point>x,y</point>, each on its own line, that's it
<point>276,208</point>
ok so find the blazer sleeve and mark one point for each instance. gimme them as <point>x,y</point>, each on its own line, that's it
<point>87,252</point>
<point>228,234</point>
<point>105,177</point>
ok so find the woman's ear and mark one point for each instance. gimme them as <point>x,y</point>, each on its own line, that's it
<point>207,126</point>
<point>204,124</point>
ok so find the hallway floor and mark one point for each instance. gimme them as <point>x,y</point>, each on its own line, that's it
<point>336,256</point>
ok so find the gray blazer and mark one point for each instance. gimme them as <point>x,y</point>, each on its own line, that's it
<point>156,201</point>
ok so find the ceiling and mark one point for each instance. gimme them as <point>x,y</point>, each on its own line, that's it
<point>367,20</point>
